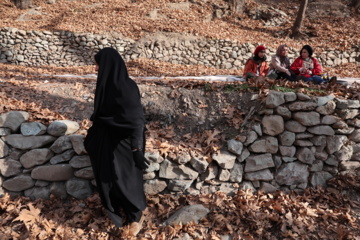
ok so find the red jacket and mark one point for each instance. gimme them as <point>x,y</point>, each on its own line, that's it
<point>298,63</point>
<point>251,66</point>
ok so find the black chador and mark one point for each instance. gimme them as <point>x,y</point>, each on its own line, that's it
<point>116,141</point>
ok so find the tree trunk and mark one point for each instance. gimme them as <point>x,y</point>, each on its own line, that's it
<point>356,5</point>
<point>296,30</point>
<point>22,4</point>
<point>237,6</point>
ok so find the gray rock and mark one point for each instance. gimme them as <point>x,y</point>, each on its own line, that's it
<point>294,126</point>
<point>283,112</point>
<point>345,104</point>
<point>78,188</point>
<point>245,186</point>
<point>170,170</point>
<point>61,144</point>
<point>9,167</point>
<point>307,118</point>
<point>5,131</point>
<point>347,113</point>
<point>355,157</point>
<point>332,161</point>
<point>32,129</point>
<point>335,143</point>
<point>236,174</point>
<point>40,183</point>
<point>4,149</point>
<point>262,175</point>
<point>356,147</point>
<point>37,193</point>
<point>62,127</point>
<point>273,125</point>
<point>267,188</point>
<point>154,157</point>
<point>327,109</point>
<point>277,161</point>
<point>28,142</point>
<point>345,131</point>
<point>290,96</point>
<point>303,143</point>
<point>329,120</point>
<point>211,172</point>
<point>153,167</point>
<point>345,153</point>
<point>199,164</point>
<point>58,190</point>
<point>303,97</point>
<point>235,147</point>
<point>244,155</point>
<point>36,157</point>
<point>303,136</point>
<point>321,101</point>
<point>63,157</point>
<point>354,123</point>
<point>349,165</point>
<point>52,173</point>
<point>183,158</point>
<point>80,161</point>
<point>319,141</point>
<point>179,185</point>
<point>259,162</point>
<point>287,138</point>
<point>321,130</point>
<point>292,173</point>
<point>153,187</point>
<point>13,119</point>
<point>286,151</point>
<point>289,159</point>
<point>302,106</point>
<point>77,142</point>
<point>305,155</point>
<point>274,99</point>
<point>187,214</point>
<point>148,176</point>
<point>18,183</point>
<point>85,173</point>
<point>268,144</point>
<point>340,125</point>
<point>251,137</point>
<point>224,159</point>
<point>257,128</point>
<point>355,136</point>
<point>224,175</point>
<point>317,166</point>
<point>320,178</point>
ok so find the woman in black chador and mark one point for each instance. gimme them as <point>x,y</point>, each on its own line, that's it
<point>116,141</point>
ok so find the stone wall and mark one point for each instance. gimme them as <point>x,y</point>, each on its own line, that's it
<point>61,48</point>
<point>300,142</point>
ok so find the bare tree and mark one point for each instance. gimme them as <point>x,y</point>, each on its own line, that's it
<point>296,30</point>
<point>22,4</point>
<point>237,6</point>
<point>356,5</point>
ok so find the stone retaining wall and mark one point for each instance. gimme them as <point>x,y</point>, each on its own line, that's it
<point>61,48</point>
<point>301,141</point>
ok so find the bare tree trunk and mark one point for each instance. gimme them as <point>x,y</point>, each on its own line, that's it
<point>22,4</point>
<point>356,5</point>
<point>237,6</point>
<point>296,30</point>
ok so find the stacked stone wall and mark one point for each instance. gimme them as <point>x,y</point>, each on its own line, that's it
<point>300,142</point>
<point>62,48</point>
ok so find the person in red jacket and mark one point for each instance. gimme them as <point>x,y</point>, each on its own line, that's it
<point>307,67</point>
<point>257,65</point>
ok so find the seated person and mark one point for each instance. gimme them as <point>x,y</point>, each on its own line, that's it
<point>280,64</point>
<point>256,65</point>
<point>307,67</point>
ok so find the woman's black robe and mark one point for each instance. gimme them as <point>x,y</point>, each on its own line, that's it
<point>118,127</point>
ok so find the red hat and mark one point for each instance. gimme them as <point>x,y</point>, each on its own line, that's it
<point>258,49</point>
